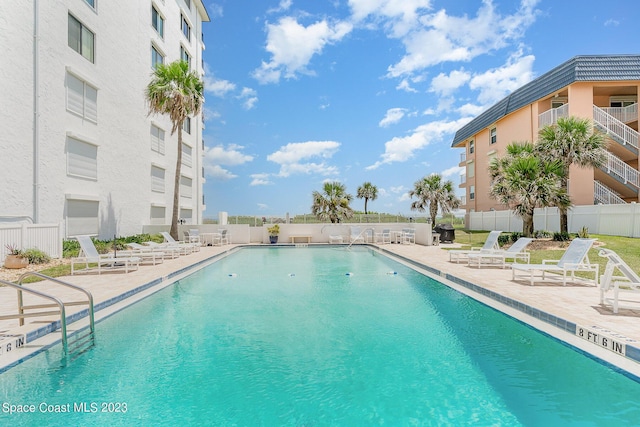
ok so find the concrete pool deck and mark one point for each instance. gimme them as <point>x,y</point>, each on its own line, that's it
<point>575,304</point>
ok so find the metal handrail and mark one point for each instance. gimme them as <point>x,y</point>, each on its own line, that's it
<point>60,304</point>
<point>21,307</point>
<point>613,126</point>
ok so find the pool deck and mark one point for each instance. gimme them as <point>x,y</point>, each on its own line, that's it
<point>543,306</point>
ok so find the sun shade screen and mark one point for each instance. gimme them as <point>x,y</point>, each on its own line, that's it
<point>82,217</point>
<point>157,179</point>
<point>82,159</point>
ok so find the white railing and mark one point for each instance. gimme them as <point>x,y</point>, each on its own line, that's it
<point>624,172</point>
<point>463,157</point>
<point>463,200</point>
<point>624,114</point>
<point>45,237</point>
<point>625,134</point>
<point>603,194</point>
<point>463,178</point>
<point>551,116</point>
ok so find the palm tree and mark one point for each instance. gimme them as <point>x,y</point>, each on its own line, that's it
<point>367,191</point>
<point>177,92</point>
<point>524,181</point>
<point>571,141</point>
<point>333,204</point>
<point>436,193</point>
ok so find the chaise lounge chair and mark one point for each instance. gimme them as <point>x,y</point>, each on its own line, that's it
<point>89,255</point>
<point>628,283</point>
<point>499,257</point>
<point>491,244</point>
<point>146,254</point>
<point>575,258</point>
<point>194,247</point>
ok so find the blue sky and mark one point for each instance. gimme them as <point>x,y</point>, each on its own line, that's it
<point>299,92</point>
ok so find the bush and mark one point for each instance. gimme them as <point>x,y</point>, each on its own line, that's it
<point>36,256</point>
<point>541,234</point>
<point>561,236</point>
<point>503,239</point>
<point>70,248</point>
<point>583,233</point>
<point>515,236</point>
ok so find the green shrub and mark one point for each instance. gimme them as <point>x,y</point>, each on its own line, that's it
<point>541,234</point>
<point>70,248</point>
<point>583,233</point>
<point>561,236</point>
<point>515,236</point>
<point>36,256</point>
<point>503,239</point>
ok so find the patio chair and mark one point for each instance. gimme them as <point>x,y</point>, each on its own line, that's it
<point>89,255</point>
<point>145,253</point>
<point>575,258</point>
<point>384,237</point>
<point>170,250</point>
<point>409,236</point>
<point>499,257</point>
<point>171,241</point>
<point>627,283</point>
<point>356,235</point>
<point>335,238</point>
<point>491,244</point>
<point>193,236</point>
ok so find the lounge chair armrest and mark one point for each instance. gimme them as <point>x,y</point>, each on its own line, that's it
<point>550,261</point>
<point>580,266</point>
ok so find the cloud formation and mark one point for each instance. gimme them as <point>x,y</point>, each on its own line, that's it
<point>218,156</point>
<point>296,158</point>
<point>394,115</point>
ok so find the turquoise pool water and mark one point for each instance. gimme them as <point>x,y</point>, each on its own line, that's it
<point>316,337</point>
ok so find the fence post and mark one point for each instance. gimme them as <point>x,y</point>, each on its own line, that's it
<point>60,239</point>
<point>23,236</point>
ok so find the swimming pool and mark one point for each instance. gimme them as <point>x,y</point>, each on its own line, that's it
<point>316,336</point>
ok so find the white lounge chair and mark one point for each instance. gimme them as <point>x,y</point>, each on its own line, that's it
<point>171,241</point>
<point>145,253</point>
<point>170,250</point>
<point>491,244</point>
<point>193,236</point>
<point>575,258</point>
<point>356,236</point>
<point>89,255</point>
<point>627,283</point>
<point>336,238</point>
<point>384,237</point>
<point>499,257</point>
<point>409,236</point>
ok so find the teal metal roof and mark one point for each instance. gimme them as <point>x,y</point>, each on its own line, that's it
<point>587,68</point>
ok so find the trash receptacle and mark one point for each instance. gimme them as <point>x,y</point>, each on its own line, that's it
<point>446,231</point>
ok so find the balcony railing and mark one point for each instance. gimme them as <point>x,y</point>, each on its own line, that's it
<point>624,172</point>
<point>551,116</point>
<point>463,178</point>
<point>622,133</point>
<point>463,157</point>
<point>624,114</point>
<point>606,196</point>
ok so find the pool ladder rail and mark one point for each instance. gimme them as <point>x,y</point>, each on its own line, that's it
<point>81,340</point>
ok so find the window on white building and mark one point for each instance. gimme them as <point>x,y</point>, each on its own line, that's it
<point>158,215</point>
<point>157,179</point>
<point>472,147</point>
<point>184,55</point>
<point>82,98</point>
<point>157,21</point>
<point>186,187</point>
<point>186,215</point>
<point>186,28</point>
<point>472,192</point>
<point>157,139</point>
<point>82,217</point>
<point>493,136</point>
<point>81,39</point>
<point>471,169</point>
<point>187,158</point>
<point>156,57</point>
<point>188,3</point>
<point>82,159</point>
<point>186,125</point>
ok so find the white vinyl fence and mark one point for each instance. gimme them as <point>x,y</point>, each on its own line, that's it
<point>45,237</point>
<point>612,220</point>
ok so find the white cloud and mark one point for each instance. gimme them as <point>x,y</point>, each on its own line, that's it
<point>401,149</point>
<point>260,179</point>
<point>452,171</point>
<point>295,158</point>
<point>444,84</point>
<point>218,156</point>
<point>282,6</point>
<point>292,45</point>
<point>470,110</point>
<point>249,98</point>
<point>400,16</point>
<point>611,23</point>
<point>406,86</point>
<point>442,37</point>
<point>394,115</point>
<point>397,190</point>
<point>215,10</point>
<point>218,87</point>
<point>497,83</point>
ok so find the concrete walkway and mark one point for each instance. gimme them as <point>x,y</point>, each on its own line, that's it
<point>575,304</point>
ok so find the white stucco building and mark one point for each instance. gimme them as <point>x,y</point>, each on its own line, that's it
<point>77,146</point>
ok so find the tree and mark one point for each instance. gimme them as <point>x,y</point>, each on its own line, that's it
<point>367,191</point>
<point>571,141</point>
<point>177,92</point>
<point>436,193</point>
<point>524,181</point>
<point>333,204</point>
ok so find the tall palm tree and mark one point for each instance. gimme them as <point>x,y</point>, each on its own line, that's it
<point>436,193</point>
<point>572,142</point>
<point>524,181</point>
<point>333,203</point>
<point>179,93</point>
<point>367,191</point>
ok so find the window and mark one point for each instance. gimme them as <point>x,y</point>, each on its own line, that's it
<point>472,192</point>
<point>82,98</point>
<point>91,3</point>
<point>472,147</point>
<point>186,28</point>
<point>81,39</point>
<point>188,3</point>
<point>157,179</point>
<point>186,125</point>
<point>156,57</point>
<point>158,214</point>
<point>186,215</point>
<point>82,217</point>
<point>157,139</point>
<point>471,169</point>
<point>82,159</point>
<point>157,21</point>
<point>187,159</point>
<point>185,187</point>
<point>622,101</point>
<point>184,55</point>
<point>493,137</point>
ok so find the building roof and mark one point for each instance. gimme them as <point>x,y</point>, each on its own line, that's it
<point>579,68</point>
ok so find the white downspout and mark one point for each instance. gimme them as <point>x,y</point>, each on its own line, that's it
<point>36,117</point>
